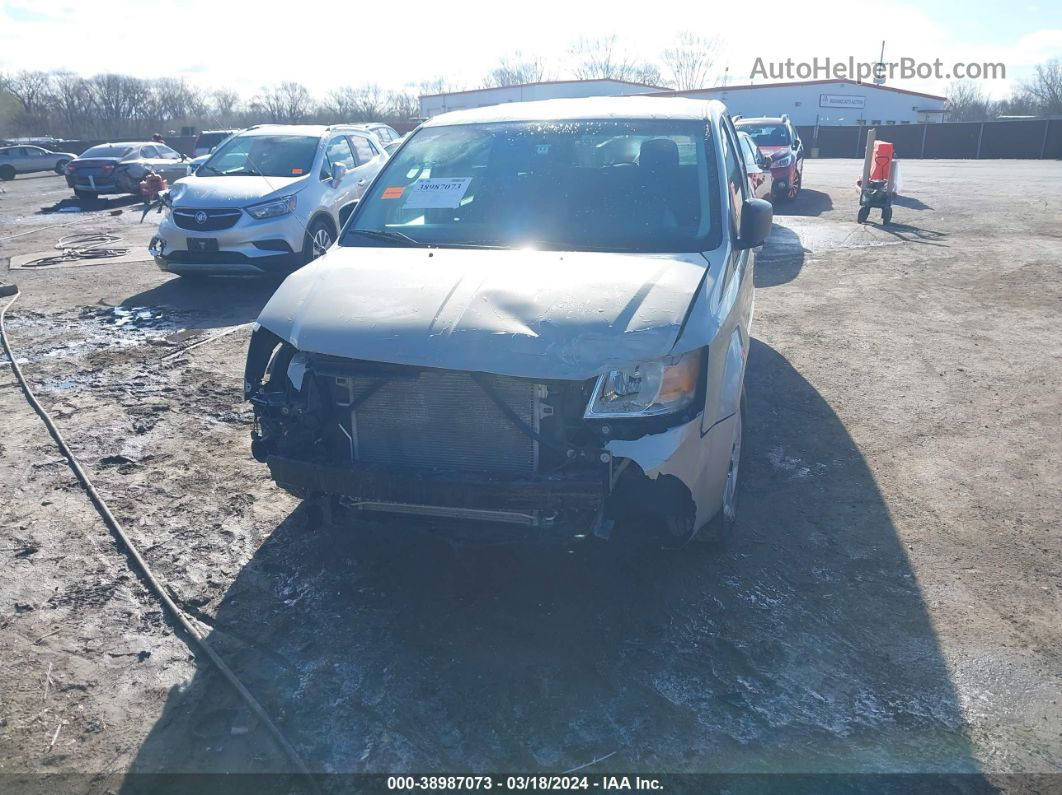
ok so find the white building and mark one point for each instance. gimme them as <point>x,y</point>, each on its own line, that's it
<point>434,104</point>
<point>827,102</point>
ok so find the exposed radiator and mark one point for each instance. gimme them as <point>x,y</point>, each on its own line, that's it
<point>440,419</point>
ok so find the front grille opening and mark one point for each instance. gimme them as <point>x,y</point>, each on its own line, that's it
<point>206,220</point>
<point>439,419</point>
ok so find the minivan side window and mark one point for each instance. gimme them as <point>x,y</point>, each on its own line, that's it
<point>736,177</point>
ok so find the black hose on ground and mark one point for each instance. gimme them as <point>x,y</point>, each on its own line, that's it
<point>137,562</point>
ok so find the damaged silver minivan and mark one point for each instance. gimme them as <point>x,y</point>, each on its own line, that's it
<point>535,322</point>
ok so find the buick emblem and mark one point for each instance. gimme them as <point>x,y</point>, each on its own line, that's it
<point>200,217</point>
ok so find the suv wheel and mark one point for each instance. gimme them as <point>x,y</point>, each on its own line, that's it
<point>318,238</point>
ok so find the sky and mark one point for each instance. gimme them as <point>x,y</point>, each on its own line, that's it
<point>324,45</point>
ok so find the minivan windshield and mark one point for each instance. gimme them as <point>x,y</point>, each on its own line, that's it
<point>262,156</point>
<point>614,185</point>
<point>107,150</point>
<point>766,134</point>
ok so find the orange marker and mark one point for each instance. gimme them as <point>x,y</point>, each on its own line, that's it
<point>392,193</point>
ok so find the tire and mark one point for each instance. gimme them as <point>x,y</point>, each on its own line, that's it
<point>86,195</point>
<point>60,167</point>
<point>886,215</point>
<point>863,215</point>
<point>7,173</point>
<point>318,238</point>
<point>723,523</point>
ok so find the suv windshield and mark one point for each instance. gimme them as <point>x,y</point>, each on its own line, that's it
<point>766,134</point>
<point>626,185</point>
<point>262,156</point>
<point>107,150</point>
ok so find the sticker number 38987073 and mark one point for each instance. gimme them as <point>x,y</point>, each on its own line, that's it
<point>437,192</point>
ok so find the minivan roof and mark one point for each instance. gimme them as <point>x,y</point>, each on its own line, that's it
<point>585,108</point>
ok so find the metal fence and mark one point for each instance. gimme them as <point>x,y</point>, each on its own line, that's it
<point>1032,139</point>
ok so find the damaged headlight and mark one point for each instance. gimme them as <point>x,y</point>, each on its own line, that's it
<point>647,389</point>
<point>273,209</point>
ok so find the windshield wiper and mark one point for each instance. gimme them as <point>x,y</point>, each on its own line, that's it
<point>219,173</point>
<point>387,234</point>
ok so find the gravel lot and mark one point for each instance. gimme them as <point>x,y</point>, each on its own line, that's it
<point>890,600</point>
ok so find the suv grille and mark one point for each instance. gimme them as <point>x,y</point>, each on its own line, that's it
<point>440,419</point>
<point>211,220</point>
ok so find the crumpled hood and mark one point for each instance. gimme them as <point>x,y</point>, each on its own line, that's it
<point>223,192</point>
<point>538,314</point>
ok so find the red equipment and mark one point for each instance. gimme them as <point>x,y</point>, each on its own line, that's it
<point>881,166</point>
<point>151,186</point>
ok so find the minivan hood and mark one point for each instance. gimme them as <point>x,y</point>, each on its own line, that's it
<point>538,314</point>
<point>218,192</point>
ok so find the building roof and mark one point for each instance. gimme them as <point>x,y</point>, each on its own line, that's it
<point>543,83</point>
<point>748,86</point>
<point>629,107</point>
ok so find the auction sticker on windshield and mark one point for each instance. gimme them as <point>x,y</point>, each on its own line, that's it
<point>438,192</point>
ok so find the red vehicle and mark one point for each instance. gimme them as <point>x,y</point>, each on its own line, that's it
<point>777,138</point>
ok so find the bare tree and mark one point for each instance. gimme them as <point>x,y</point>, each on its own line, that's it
<point>1045,87</point>
<point>690,60</point>
<point>286,102</point>
<point>602,58</point>
<point>72,102</point>
<point>30,88</point>
<point>967,101</point>
<point>224,103</point>
<point>1019,103</point>
<point>437,85</point>
<point>516,70</point>
<point>402,106</point>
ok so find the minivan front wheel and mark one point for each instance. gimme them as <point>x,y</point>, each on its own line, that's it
<point>318,239</point>
<point>724,521</point>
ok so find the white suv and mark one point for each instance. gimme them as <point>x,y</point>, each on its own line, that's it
<point>269,200</point>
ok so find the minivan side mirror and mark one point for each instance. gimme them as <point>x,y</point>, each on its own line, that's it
<point>756,217</point>
<point>796,144</point>
<point>338,172</point>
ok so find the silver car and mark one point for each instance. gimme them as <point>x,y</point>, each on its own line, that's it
<point>268,200</point>
<point>525,330</point>
<point>119,168</point>
<point>28,159</point>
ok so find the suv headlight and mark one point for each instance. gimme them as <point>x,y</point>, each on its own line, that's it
<point>274,208</point>
<point>784,161</point>
<point>647,389</point>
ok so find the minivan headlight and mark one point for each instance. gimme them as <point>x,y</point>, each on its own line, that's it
<point>646,389</point>
<point>274,208</point>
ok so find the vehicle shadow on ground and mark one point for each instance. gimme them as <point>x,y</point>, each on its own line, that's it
<point>801,644</point>
<point>73,204</point>
<point>215,301</point>
<point>807,203</point>
<point>780,259</point>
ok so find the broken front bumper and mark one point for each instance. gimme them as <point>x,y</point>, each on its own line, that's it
<point>556,507</point>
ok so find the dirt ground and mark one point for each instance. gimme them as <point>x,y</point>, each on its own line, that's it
<point>890,601</point>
